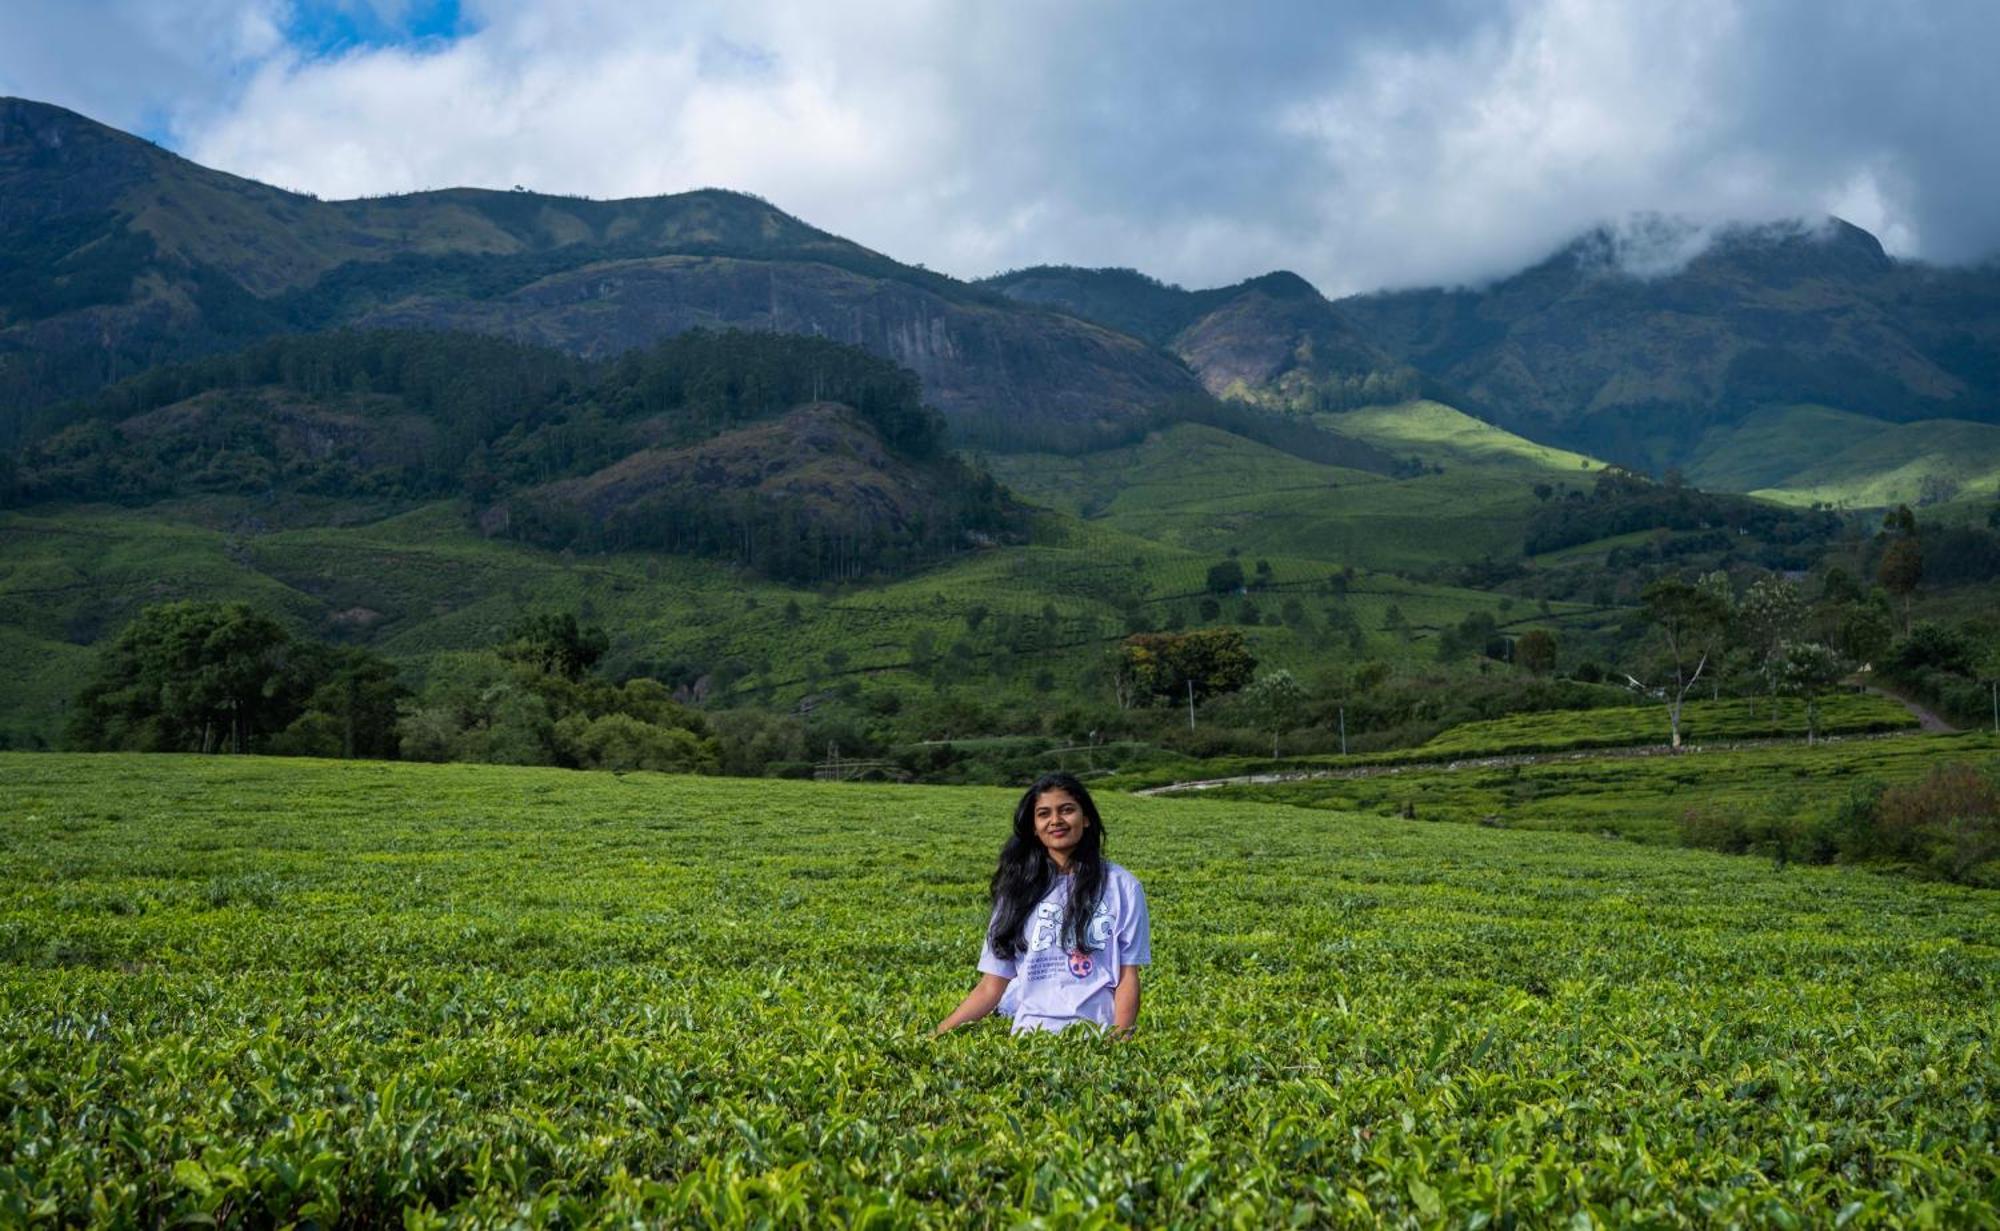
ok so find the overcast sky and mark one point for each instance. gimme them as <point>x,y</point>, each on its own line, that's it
<point>1363,145</point>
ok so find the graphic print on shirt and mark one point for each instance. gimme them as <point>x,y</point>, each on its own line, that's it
<point>1044,933</point>
<point>1046,927</point>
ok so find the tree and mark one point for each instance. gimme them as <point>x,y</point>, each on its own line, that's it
<point>622,742</point>
<point>351,712</point>
<point>555,644</point>
<point>1536,650</point>
<point>1989,671</point>
<point>1839,586</point>
<point>1277,700</point>
<point>1862,632</point>
<point>1225,577</point>
<point>1478,632</point>
<point>1804,669</point>
<point>1772,613</point>
<point>190,677</point>
<point>1689,621</point>
<point>1901,569</point>
<point>1163,666</point>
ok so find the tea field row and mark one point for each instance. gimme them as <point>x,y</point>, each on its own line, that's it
<point>261,991</point>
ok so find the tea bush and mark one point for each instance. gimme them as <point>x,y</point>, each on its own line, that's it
<point>256,992</point>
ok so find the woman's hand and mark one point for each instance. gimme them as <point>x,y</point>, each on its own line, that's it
<point>978,1002</point>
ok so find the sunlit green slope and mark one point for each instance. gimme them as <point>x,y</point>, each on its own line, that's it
<point>1441,433</point>
<point>1910,463</point>
<point>1808,454</point>
<point>1208,492</point>
<point>1774,443</point>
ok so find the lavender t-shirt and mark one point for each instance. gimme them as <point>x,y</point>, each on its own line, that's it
<point>1051,989</point>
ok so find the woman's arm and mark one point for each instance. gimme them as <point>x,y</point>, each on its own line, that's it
<point>978,1002</point>
<point>1125,1002</point>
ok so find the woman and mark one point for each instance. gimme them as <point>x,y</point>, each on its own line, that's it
<point>1069,930</point>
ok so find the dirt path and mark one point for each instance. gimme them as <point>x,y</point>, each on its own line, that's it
<point>1925,718</point>
<point>1525,758</point>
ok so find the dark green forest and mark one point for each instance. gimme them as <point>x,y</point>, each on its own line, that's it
<point>405,416</point>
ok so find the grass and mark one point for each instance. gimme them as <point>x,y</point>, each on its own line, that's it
<point>261,992</point>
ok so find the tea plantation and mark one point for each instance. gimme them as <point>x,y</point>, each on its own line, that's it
<point>262,992</point>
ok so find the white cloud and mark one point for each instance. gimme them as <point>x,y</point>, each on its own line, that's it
<point>1373,145</point>
<point>135,63</point>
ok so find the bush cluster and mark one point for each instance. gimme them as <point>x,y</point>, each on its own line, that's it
<point>1946,824</point>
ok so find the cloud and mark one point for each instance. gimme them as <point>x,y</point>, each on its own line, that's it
<point>1434,141</point>
<point>137,64</point>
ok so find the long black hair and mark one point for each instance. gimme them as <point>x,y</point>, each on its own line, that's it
<point>1026,872</point>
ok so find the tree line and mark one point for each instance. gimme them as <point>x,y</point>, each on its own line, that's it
<point>1621,502</point>
<point>207,677</point>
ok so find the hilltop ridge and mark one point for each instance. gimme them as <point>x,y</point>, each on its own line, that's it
<point>133,255</point>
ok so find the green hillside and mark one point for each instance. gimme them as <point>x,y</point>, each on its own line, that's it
<point>1444,434</point>
<point>362,993</point>
<point>1773,443</point>
<point>1207,492</point>
<point>423,584</point>
<point>1920,463</point>
<point>1341,566</point>
<point>1808,454</point>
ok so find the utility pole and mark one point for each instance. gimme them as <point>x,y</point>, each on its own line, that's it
<point>1190,685</point>
<point>1343,730</point>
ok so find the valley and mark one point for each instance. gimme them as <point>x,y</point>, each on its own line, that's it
<point>404,425</point>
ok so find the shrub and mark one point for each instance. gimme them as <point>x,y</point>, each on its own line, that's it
<point>1781,834</point>
<point>1850,832</point>
<point>1715,829</point>
<point>1949,821</point>
<point>621,742</point>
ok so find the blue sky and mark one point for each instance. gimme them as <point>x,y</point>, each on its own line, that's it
<point>1362,145</point>
<point>332,29</point>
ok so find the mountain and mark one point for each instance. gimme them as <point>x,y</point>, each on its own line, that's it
<point>1647,343</point>
<point>1637,347</point>
<point>1272,340</point>
<point>116,255</point>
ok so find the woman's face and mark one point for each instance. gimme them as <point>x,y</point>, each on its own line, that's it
<point>1059,823</point>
